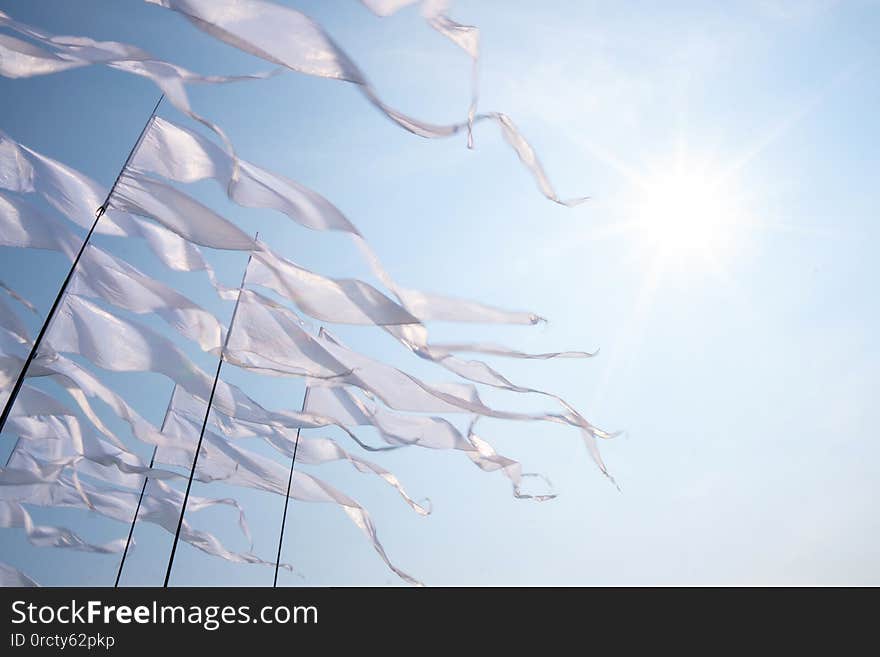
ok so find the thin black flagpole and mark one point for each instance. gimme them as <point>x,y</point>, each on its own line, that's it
<point>10,402</point>
<point>15,447</point>
<point>143,489</point>
<point>195,460</point>
<point>287,497</point>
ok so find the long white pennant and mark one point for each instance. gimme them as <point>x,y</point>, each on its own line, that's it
<point>23,225</point>
<point>231,464</point>
<point>288,441</point>
<point>103,276</point>
<point>160,505</point>
<point>269,339</point>
<point>426,431</point>
<point>19,59</point>
<point>122,345</point>
<point>14,515</point>
<point>174,152</point>
<point>284,36</point>
<point>466,37</point>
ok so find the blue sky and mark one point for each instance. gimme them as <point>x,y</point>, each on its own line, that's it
<point>725,266</point>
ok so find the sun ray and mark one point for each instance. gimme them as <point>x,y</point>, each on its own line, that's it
<point>624,352</point>
<point>789,122</point>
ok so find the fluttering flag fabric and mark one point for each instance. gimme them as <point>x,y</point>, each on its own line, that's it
<point>78,197</point>
<point>466,37</point>
<point>83,385</point>
<point>103,276</point>
<point>33,474</point>
<point>270,339</point>
<point>14,515</point>
<point>163,509</point>
<point>174,152</point>
<point>272,32</point>
<point>12,323</point>
<point>121,345</point>
<point>403,391</point>
<point>19,59</point>
<point>230,402</point>
<point>52,439</point>
<point>160,505</point>
<point>10,576</point>
<point>172,250</point>
<point>487,459</point>
<point>182,155</point>
<point>353,408</point>
<point>46,424</point>
<point>179,213</point>
<point>23,225</point>
<point>342,301</point>
<point>415,338</point>
<point>235,409</point>
<point>13,352</point>
<point>224,461</point>
<point>491,349</point>
<point>308,450</point>
<point>15,337</point>
<point>57,446</point>
<point>15,295</point>
<point>287,37</point>
<point>430,432</point>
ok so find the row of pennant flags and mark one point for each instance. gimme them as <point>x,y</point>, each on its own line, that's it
<point>65,456</point>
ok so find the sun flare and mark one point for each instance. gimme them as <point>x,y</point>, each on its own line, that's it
<point>685,216</point>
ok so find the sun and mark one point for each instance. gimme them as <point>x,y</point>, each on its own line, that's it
<point>687,218</point>
<point>686,223</point>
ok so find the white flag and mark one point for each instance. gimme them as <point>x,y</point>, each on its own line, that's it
<point>344,301</point>
<point>22,59</point>
<point>121,345</point>
<point>178,212</point>
<point>14,515</point>
<point>12,323</point>
<point>22,225</point>
<point>56,434</point>
<point>184,156</point>
<point>466,37</point>
<point>160,505</point>
<point>224,461</point>
<point>284,36</point>
<point>309,450</point>
<point>77,197</point>
<point>101,275</point>
<point>430,432</point>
